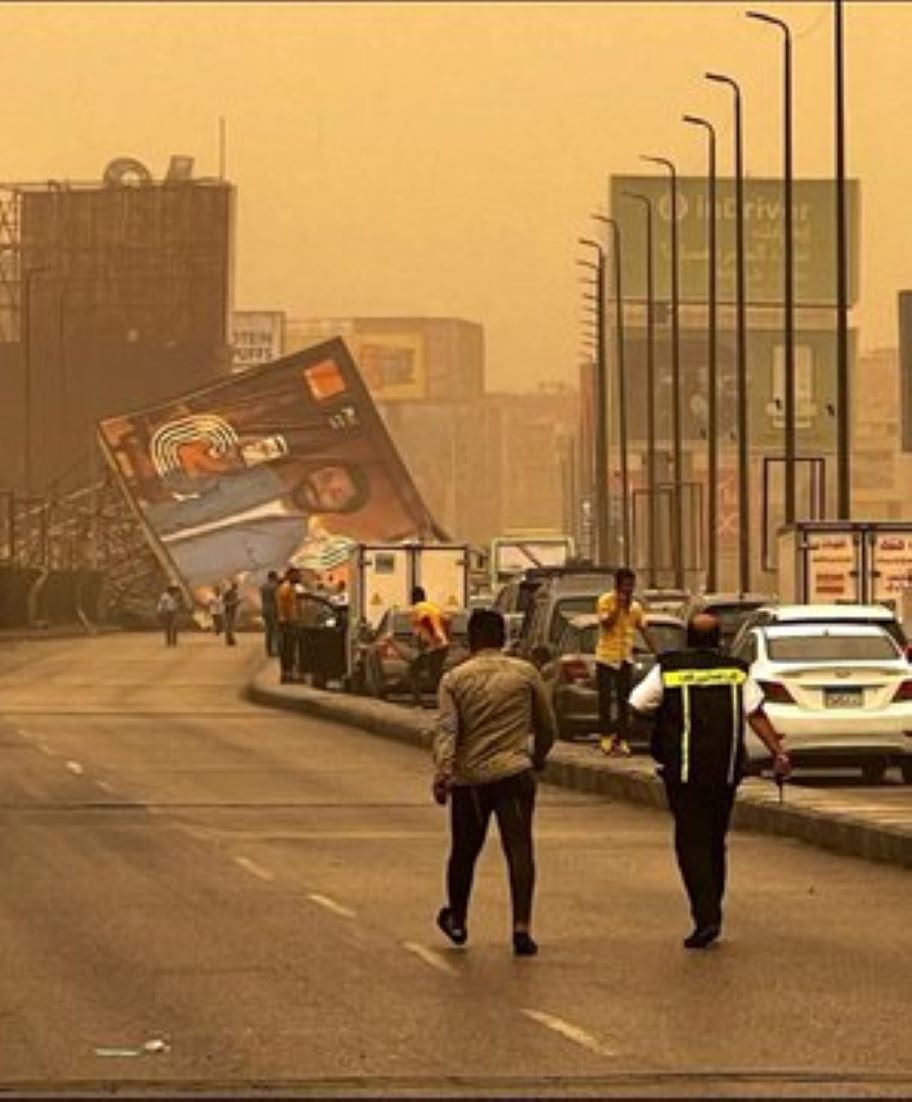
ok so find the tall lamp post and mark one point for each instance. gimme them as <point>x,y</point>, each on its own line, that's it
<point>744,556</point>
<point>788,283</point>
<point>601,394</point>
<point>677,534</point>
<point>621,381</point>
<point>651,480</point>
<point>844,473</point>
<point>712,428</point>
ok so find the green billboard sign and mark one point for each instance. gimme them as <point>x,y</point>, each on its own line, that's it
<point>814,234</point>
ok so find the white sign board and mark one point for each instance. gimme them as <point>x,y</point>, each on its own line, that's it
<point>257,338</point>
<point>892,567</point>
<point>832,568</point>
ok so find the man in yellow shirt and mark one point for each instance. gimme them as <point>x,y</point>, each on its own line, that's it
<point>428,626</point>
<point>620,617</point>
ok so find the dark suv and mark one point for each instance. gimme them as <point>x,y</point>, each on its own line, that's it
<point>557,599</point>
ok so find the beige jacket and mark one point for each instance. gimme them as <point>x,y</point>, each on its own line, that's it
<point>495,720</point>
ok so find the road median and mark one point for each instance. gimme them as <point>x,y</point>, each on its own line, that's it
<point>804,815</point>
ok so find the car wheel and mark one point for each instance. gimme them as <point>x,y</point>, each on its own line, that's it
<point>906,768</point>
<point>873,773</point>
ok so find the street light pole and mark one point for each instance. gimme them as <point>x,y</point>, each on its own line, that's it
<point>601,394</point>
<point>789,284</point>
<point>26,338</point>
<point>844,473</point>
<point>621,383</point>
<point>678,474</point>
<point>744,556</point>
<point>651,480</point>
<point>712,428</point>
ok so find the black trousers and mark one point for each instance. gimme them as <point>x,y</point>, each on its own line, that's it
<point>701,817</point>
<point>271,634</point>
<point>169,623</point>
<point>512,802</point>
<point>425,671</point>
<point>614,683</point>
<point>288,649</point>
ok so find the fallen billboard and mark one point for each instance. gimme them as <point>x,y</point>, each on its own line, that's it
<point>287,463</point>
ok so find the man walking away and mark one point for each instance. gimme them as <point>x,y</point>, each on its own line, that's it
<point>232,601</point>
<point>287,616</point>
<point>495,729</point>
<point>169,609</point>
<point>431,639</point>
<point>270,613</point>
<point>619,617</point>
<point>700,698</point>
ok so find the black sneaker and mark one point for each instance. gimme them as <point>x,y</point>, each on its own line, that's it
<point>524,945</point>
<point>457,933</point>
<point>702,937</point>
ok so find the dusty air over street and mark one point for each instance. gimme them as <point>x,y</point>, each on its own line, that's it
<point>455,550</point>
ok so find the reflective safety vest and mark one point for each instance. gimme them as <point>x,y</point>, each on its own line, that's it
<point>699,733</point>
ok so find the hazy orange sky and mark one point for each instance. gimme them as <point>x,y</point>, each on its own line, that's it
<point>442,159</point>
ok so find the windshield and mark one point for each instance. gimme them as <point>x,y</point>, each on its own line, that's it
<point>665,636</point>
<point>731,617</point>
<point>831,648</point>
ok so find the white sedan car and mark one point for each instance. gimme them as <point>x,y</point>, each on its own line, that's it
<point>839,694</point>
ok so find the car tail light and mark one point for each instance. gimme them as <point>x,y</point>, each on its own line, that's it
<point>574,669</point>
<point>774,692</point>
<point>903,693</point>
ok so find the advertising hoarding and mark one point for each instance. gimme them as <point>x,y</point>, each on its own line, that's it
<point>257,338</point>
<point>814,231</point>
<point>287,463</point>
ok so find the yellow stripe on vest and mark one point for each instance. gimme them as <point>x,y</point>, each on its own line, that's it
<point>676,679</point>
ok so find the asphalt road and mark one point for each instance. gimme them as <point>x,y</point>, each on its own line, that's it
<point>253,893</point>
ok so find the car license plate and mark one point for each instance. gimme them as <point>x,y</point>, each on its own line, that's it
<point>843,698</point>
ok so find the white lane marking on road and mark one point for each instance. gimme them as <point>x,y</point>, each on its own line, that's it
<point>253,868</point>
<point>330,905</point>
<point>104,786</point>
<point>570,1031</point>
<point>429,956</point>
<point>75,767</point>
<point>45,749</point>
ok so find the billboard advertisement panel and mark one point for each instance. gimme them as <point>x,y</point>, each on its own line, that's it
<point>288,463</point>
<point>814,232</point>
<point>257,338</point>
<point>815,389</point>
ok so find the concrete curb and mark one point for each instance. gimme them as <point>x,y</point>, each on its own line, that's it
<point>575,766</point>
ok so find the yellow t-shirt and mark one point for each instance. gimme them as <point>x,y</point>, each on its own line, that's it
<point>616,644</point>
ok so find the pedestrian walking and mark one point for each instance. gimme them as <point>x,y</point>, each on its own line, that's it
<point>494,731</point>
<point>287,613</point>
<point>700,698</point>
<point>426,668</point>
<point>270,613</point>
<point>216,608</point>
<point>619,618</point>
<point>170,606</point>
<point>232,601</point>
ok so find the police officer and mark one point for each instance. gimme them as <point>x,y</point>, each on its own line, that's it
<point>700,698</point>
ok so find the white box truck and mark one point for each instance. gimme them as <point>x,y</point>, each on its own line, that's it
<point>382,576</point>
<point>511,555</point>
<point>846,562</point>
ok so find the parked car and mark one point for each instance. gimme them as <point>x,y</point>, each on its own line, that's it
<point>557,598</point>
<point>570,674</point>
<point>669,601</point>
<point>826,614</point>
<point>730,609</point>
<point>385,655</point>
<point>839,693</point>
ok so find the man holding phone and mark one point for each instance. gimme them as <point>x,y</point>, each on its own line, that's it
<point>619,617</point>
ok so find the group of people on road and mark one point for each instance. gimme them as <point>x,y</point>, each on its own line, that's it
<point>296,619</point>
<point>495,729</point>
